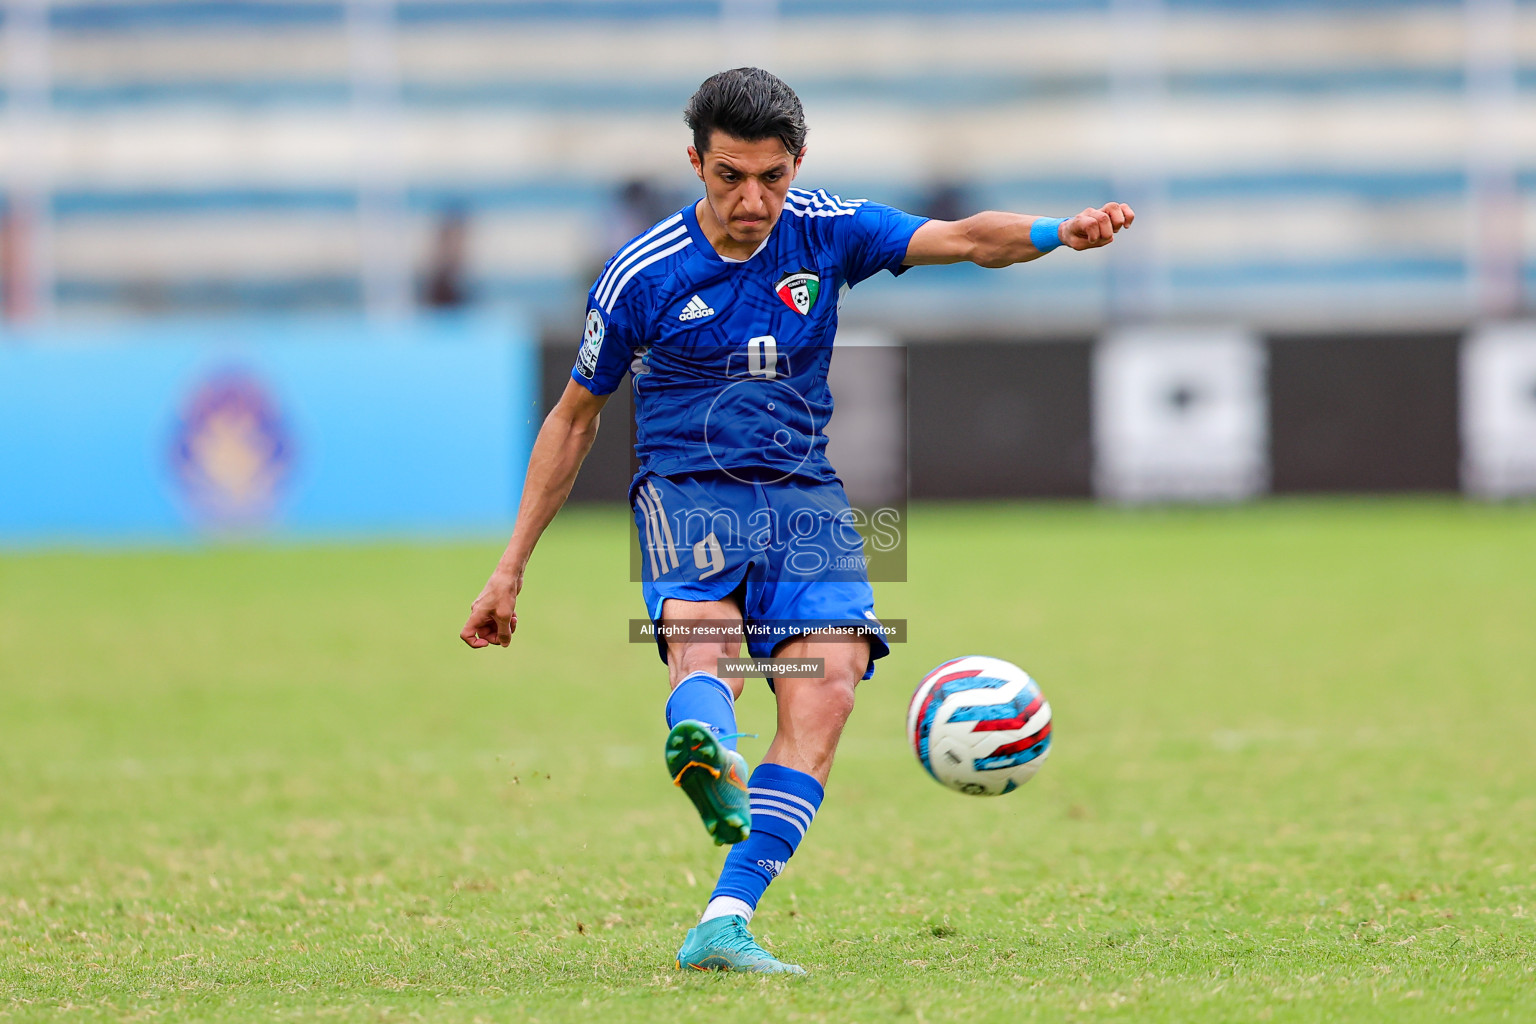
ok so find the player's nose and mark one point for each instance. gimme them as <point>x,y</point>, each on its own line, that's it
<point>752,198</point>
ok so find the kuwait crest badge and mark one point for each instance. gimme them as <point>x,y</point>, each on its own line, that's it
<point>799,290</point>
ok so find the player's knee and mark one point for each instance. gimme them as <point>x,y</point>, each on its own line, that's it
<point>840,697</point>
<point>828,700</point>
<point>836,693</point>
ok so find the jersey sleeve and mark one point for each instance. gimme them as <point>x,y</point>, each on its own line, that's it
<point>608,344</point>
<point>873,239</point>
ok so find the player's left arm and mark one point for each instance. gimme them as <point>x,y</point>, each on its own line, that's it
<point>994,239</point>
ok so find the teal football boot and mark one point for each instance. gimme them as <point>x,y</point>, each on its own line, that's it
<point>715,779</point>
<point>724,944</point>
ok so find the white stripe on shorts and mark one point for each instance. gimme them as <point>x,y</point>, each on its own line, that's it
<point>650,531</point>
<point>666,529</point>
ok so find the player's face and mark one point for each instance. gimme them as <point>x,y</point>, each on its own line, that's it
<point>745,184</point>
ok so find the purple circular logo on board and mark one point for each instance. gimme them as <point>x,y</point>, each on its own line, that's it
<point>232,452</point>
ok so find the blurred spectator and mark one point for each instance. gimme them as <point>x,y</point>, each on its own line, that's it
<point>10,292</point>
<point>445,284</point>
<point>945,200</point>
<point>637,205</point>
<point>641,204</point>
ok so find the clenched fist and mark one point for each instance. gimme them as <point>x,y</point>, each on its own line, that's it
<point>1093,228</point>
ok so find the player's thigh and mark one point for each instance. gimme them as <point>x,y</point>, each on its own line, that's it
<point>816,588</point>
<point>708,632</point>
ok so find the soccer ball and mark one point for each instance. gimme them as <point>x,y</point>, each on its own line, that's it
<point>979,725</point>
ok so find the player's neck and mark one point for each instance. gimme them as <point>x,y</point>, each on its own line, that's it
<point>714,232</point>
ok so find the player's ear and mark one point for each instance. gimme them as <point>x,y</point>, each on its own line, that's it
<point>799,157</point>
<point>697,161</point>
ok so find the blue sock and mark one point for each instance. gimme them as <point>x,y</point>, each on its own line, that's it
<point>784,802</point>
<point>704,698</point>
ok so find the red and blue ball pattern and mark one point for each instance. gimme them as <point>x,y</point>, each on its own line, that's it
<point>979,725</point>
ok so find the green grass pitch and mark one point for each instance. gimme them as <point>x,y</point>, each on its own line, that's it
<point>1294,779</point>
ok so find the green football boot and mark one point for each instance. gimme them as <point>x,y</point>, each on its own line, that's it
<point>724,944</point>
<point>714,777</point>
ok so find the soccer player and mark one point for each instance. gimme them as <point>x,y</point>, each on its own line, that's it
<point>723,315</point>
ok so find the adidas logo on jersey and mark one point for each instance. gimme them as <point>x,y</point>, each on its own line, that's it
<point>696,310</point>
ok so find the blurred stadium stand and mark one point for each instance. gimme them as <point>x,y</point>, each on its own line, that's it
<point>1309,164</point>
<point>1345,191</point>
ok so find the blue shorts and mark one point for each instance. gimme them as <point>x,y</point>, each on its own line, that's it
<point>787,550</point>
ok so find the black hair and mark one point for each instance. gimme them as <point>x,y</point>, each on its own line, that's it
<point>748,104</point>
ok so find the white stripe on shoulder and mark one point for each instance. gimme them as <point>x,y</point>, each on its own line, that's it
<point>821,200</point>
<point>809,210</point>
<point>798,212</point>
<point>822,206</point>
<point>605,292</point>
<point>629,249</point>
<point>613,295</point>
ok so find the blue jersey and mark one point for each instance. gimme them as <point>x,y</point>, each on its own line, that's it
<point>730,358</point>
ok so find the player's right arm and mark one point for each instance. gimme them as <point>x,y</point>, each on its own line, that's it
<point>994,239</point>
<point>558,451</point>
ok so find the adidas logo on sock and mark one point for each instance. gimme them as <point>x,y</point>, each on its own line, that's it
<point>773,867</point>
<point>696,310</point>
